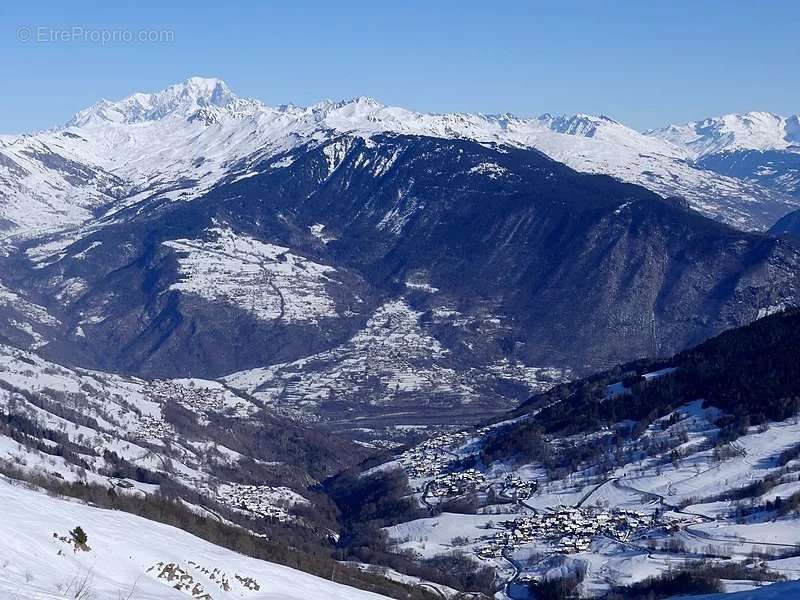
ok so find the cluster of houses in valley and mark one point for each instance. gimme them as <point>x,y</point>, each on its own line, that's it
<point>435,456</point>
<point>197,398</point>
<point>419,464</point>
<point>150,428</point>
<point>517,488</point>
<point>432,457</point>
<point>455,483</point>
<point>264,500</point>
<point>379,443</point>
<point>566,530</point>
<point>435,462</point>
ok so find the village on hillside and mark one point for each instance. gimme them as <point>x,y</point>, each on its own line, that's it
<point>568,530</point>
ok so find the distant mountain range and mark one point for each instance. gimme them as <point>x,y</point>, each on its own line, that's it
<point>760,131</point>
<point>757,147</point>
<point>181,141</point>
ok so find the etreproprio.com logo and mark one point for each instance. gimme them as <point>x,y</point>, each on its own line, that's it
<point>95,36</point>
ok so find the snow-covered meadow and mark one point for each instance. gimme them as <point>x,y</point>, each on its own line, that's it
<point>266,280</point>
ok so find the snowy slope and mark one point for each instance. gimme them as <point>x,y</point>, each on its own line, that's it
<point>696,528</point>
<point>79,425</point>
<point>22,322</point>
<point>679,486</point>
<point>603,146</point>
<point>131,557</point>
<point>760,148</point>
<point>236,269</point>
<point>44,186</point>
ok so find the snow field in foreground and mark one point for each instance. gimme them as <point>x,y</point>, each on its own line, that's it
<point>34,564</point>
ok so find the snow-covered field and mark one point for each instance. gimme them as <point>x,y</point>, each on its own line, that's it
<point>132,558</point>
<point>266,280</point>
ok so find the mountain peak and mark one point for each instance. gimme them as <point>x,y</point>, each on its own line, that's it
<point>365,101</point>
<point>179,100</point>
<point>581,124</point>
<point>359,103</point>
<point>208,85</point>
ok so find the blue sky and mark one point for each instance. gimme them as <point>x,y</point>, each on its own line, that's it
<point>643,63</point>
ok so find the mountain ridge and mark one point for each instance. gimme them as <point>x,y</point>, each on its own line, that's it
<point>182,141</point>
<point>754,130</point>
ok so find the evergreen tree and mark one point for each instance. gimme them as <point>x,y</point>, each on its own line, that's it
<point>79,537</point>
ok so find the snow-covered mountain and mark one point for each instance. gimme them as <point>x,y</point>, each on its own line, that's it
<point>46,187</point>
<point>728,133</point>
<point>231,219</point>
<point>601,145</point>
<point>304,250</point>
<point>760,148</point>
<point>180,100</point>
<point>181,141</point>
